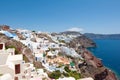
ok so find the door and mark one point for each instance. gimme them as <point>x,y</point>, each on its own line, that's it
<point>1,46</point>
<point>17,68</point>
<point>16,78</point>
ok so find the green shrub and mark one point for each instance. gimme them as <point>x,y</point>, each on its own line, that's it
<point>75,74</point>
<point>61,41</point>
<point>1,74</point>
<point>55,74</point>
<point>16,50</point>
<point>25,58</point>
<point>60,65</point>
<point>67,69</point>
<point>66,74</point>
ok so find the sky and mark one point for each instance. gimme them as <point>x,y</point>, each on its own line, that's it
<point>86,16</point>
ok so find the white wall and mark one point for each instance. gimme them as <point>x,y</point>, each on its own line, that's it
<point>3,58</point>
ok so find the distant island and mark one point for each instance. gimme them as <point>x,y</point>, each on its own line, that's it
<point>102,36</point>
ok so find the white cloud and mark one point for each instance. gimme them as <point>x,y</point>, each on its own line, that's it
<point>77,29</point>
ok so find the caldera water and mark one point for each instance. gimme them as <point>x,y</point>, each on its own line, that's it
<point>109,52</point>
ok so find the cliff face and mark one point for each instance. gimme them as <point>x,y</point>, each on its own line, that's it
<point>92,67</point>
<point>82,40</point>
<point>96,69</point>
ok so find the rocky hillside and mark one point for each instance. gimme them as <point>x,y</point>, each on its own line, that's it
<point>95,68</point>
<point>79,39</point>
<point>92,66</point>
<point>19,47</point>
<point>82,40</point>
<point>70,33</point>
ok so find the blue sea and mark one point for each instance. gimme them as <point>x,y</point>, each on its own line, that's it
<point>109,52</point>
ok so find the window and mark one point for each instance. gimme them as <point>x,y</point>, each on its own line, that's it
<point>17,68</point>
